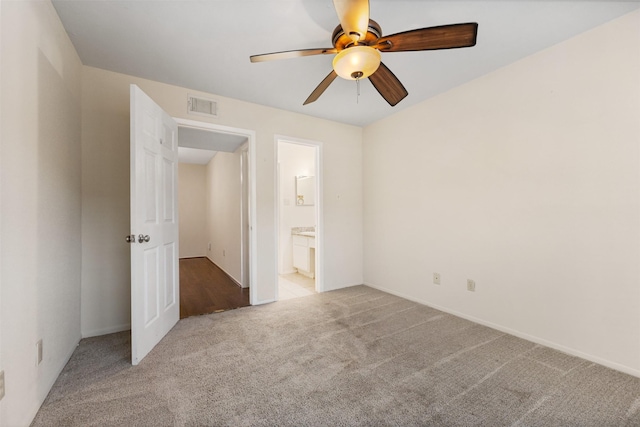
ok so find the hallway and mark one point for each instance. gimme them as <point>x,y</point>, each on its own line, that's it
<point>205,288</point>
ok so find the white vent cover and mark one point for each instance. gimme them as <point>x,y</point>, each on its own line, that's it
<point>202,106</point>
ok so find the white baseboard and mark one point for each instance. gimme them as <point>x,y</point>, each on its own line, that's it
<point>107,330</point>
<point>31,414</point>
<point>226,272</point>
<point>571,351</point>
<point>344,286</point>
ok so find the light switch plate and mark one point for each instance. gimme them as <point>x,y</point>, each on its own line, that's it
<point>39,351</point>
<point>471,285</point>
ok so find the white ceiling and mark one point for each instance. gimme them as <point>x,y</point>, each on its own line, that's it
<point>198,146</point>
<point>205,45</point>
<point>209,140</point>
<point>195,156</point>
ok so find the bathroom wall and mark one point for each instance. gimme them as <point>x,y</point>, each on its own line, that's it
<point>293,160</point>
<point>192,180</point>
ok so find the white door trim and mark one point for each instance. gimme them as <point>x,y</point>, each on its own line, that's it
<point>245,268</point>
<point>253,231</point>
<point>318,208</point>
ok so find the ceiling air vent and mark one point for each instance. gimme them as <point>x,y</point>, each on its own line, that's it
<point>202,106</point>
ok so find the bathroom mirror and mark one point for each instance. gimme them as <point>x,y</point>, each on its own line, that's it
<point>305,190</point>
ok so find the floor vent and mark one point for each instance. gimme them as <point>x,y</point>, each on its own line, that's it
<point>202,106</point>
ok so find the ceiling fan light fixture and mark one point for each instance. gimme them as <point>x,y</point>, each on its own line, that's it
<point>356,62</point>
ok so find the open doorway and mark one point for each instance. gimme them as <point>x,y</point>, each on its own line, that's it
<point>299,210</point>
<point>214,218</point>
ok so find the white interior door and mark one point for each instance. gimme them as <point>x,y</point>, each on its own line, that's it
<point>155,306</point>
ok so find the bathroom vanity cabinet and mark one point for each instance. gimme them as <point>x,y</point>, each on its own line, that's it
<point>304,254</point>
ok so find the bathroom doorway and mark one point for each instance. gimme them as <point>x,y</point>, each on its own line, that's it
<point>299,213</point>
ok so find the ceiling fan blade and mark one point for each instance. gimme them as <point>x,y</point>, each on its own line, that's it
<point>354,17</point>
<point>388,85</point>
<point>291,54</point>
<point>431,38</point>
<point>324,84</point>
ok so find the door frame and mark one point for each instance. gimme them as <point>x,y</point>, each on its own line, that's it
<point>245,269</point>
<point>251,156</point>
<point>319,252</point>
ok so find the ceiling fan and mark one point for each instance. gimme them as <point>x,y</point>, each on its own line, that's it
<point>358,41</point>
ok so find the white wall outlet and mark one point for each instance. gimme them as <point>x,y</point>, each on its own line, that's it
<point>1,384</point>
<point>39,352</point>
<point>471,285</point>
<point>436,278</point>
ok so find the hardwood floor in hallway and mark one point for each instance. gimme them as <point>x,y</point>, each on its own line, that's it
<point>205,288</point>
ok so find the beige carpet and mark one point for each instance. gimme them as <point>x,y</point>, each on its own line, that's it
<point>351,357</point>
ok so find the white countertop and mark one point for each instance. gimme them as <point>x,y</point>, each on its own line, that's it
<point>306,233</point>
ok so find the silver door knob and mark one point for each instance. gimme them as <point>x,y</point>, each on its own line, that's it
<point>142,238</point>
<point>131,238</point>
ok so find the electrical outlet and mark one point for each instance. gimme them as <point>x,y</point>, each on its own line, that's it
<point>471,285</point>
<point>39,352</point>
<point>1,384</point>
<point>436,278</point>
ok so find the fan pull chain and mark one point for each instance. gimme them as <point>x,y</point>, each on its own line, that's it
<point>357,75</point>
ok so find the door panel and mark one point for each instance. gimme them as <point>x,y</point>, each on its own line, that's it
<point>150,286</point>
<point>170,286</point>
<point>149,194</point>
<point>169,191</point>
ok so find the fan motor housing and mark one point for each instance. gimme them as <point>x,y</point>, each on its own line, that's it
<point>341,40</point>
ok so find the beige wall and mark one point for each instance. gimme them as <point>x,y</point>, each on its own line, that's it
<point>526,181</point>
<point>105,219</point>
<point>106,263</point>
<point>192,205</point>
<point>40,225</point>
<point>1,269</point>
<point>223,212</point>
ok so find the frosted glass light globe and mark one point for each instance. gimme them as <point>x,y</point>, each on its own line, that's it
<point>356,62</point>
